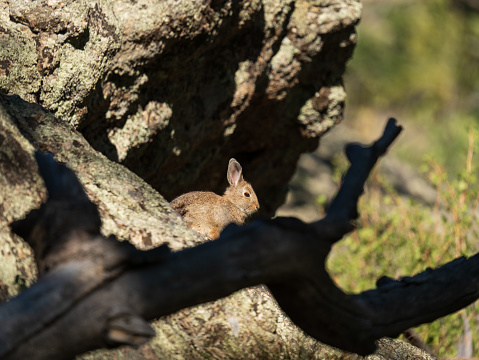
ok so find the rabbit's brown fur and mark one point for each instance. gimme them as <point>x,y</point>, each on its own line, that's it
<point>209,213</point>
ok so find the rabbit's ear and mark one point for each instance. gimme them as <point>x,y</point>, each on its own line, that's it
<point>234,172</point>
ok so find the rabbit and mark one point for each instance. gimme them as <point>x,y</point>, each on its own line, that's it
<point>209,213</point>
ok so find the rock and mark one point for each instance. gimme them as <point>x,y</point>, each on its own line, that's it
<point>146,98</point>
<point>173,89</point>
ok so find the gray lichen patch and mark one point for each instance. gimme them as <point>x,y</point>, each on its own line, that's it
<point>21,187</point>
<point>18,62</point>
<point>21,191</point>
<point>284,69</point>
<point>276,12</point>
<point>333,109</point>
<point>140,128</point>
<point>17,268</point>
<point>55,52</point>
<point>82,59</point>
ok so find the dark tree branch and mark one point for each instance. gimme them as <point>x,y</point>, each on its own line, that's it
<point>87,276</point>
<point>362,159</point>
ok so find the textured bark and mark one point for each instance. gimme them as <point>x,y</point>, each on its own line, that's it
<point>173,89</point>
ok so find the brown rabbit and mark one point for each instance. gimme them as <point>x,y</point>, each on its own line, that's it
<point>209,213</point>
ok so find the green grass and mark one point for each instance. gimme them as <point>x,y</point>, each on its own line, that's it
<point>416,61</point>
<point>397,236</point>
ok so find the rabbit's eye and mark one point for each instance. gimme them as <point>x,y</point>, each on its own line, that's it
<point>246,194</point>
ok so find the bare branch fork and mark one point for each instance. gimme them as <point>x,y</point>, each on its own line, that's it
<point>95,292</point>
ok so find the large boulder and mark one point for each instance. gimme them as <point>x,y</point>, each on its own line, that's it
<point>170,90</point>
<point>173,89</point>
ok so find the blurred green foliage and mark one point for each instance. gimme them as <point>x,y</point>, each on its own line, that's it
<point>398,236</point>
<point>418,61</point>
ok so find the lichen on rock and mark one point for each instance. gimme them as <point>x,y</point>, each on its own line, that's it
<point>148,100</point>
<point>236,77</point>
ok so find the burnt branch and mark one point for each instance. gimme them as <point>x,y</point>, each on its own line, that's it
<point>109,290</point>
<point>362,159</point>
